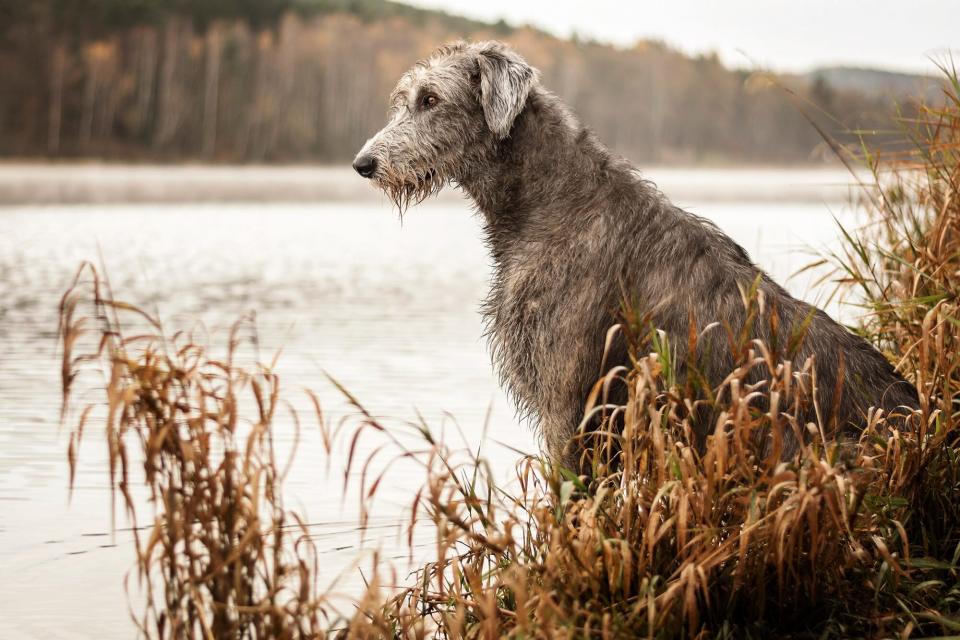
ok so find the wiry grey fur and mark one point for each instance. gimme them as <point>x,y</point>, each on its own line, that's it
<point>572,229</point>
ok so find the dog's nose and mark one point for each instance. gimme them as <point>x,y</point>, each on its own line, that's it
<point>366,166</point>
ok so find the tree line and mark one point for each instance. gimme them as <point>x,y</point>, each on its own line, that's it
<point>307,80</point>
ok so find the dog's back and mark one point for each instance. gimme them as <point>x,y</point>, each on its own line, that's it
<point>611,238</point>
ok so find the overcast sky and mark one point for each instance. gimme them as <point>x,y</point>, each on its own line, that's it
<point>785,35</point>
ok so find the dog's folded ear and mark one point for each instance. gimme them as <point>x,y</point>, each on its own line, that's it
<point>505,81</point>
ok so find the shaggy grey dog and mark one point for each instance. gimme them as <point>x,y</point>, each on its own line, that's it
<point>574,231</point>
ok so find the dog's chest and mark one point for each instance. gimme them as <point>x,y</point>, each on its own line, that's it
<point>522,300</point>
<point>538,320</point>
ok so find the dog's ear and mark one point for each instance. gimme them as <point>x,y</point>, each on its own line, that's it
<point>505,81</point>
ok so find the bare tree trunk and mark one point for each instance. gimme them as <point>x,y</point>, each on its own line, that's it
<point>108,111</point>
<point>211,96</point>
<point>55,116</point>
<point>260,101</point>
<point>89,102</point>
<point>657,92</point>
<point>284,67</point>
<point>146,74</point>
<point>165,117</point>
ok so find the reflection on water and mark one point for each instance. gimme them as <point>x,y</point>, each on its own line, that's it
<point>388,309</point>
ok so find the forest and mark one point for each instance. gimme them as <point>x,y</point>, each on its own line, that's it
<point>307,81</point>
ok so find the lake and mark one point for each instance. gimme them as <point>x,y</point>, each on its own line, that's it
<point>388,308</point>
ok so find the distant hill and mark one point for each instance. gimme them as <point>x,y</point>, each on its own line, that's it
<point>307,81</point>
<point>876,81</point>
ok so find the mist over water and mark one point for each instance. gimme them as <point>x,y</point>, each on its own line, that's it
<point>337,282</point>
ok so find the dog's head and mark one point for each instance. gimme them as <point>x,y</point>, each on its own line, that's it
<point>444,113</point>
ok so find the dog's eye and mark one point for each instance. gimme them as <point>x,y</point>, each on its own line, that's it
<point>429,101</point>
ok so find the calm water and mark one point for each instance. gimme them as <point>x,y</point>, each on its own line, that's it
<point>389,309</point>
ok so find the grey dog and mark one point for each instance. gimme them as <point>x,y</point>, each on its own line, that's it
<point>573,230</point>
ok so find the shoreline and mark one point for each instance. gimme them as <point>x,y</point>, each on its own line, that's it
<point>88,183</point>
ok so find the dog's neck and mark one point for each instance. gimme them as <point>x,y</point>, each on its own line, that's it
<point>548,168</point>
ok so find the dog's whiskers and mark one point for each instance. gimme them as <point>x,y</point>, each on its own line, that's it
<point>410,188</point>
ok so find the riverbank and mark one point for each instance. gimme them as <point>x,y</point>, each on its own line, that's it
<point>105,183</point>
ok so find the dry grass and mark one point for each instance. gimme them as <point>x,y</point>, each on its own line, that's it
<point>842,539</point>
<point>222,558</point>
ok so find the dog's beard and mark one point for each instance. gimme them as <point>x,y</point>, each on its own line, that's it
<point>411,187</point>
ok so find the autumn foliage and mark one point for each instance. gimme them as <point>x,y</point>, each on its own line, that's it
<point>308,80</point>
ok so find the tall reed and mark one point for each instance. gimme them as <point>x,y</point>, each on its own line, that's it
<point>222,557</point>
